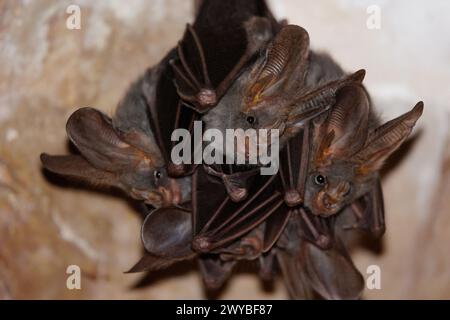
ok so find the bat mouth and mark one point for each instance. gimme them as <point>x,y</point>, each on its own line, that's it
<point>170,194</point>
<point>324,205</point>
<point>154,198</point>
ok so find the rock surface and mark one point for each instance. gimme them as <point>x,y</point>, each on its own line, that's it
<point>48,71</point>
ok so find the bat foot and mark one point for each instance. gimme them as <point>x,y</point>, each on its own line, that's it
<point>201,244</point>
<point>207,98</point>
<point>323,242</point>
<point>377,232</point>
<point>292,198</point>
<point>237,194</point>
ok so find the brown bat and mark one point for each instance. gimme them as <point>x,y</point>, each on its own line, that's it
<point>127,151</point>
<point>129,160</point>
<point>337,167</point>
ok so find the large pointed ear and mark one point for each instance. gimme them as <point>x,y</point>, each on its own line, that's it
<point>309,104</point>
<point>384,140</point>
<point>167,232</point>
<point>75,166</point>
<point>93,134</point>
<point>345,130</point>
<point>284,66</point>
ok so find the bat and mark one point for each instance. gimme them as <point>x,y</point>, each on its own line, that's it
<point>125,158</point>
<point>337,167</point>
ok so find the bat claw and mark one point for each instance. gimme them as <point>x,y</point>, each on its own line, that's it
<point>323,241</point>
<point>292,198</point>
<point>201,244</point>
<point>207,97</point>
<point>237,194</point>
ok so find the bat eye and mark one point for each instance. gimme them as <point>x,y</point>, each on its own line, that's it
<point>251,119</point>
<point>157,174</point>
<point>320,180</point>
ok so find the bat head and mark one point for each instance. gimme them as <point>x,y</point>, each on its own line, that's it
<point>275,79</point>
<point>347,154</point>
<point>261,96</point>
<point>109,157</point>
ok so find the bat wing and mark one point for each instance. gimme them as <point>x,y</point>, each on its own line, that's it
<point>309,269</point>
<point>209,54</point>
<point>375,210</point>
<point>366,213</point>
<point>292,269</point>
<point>293,167</point>
<point>331,273</point>
<point>218,221</point>
<point>275,225</point>
<point>294,276</point>
<point>165,110</point>
<point>223,38</point>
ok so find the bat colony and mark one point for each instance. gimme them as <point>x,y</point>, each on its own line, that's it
<point>237,67</point>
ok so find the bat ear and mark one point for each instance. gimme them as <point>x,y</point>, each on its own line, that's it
<point>310,104</point>
<point>167,233</point>
<point>345,130</point>
<point>384,140</point>
<point>77,167</point>
<point>108,157</point>
<point>286,55</point>
<point>104,147</point>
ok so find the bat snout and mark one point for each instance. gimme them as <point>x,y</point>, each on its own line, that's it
<point>325,204</point>
<point>170,193</point>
